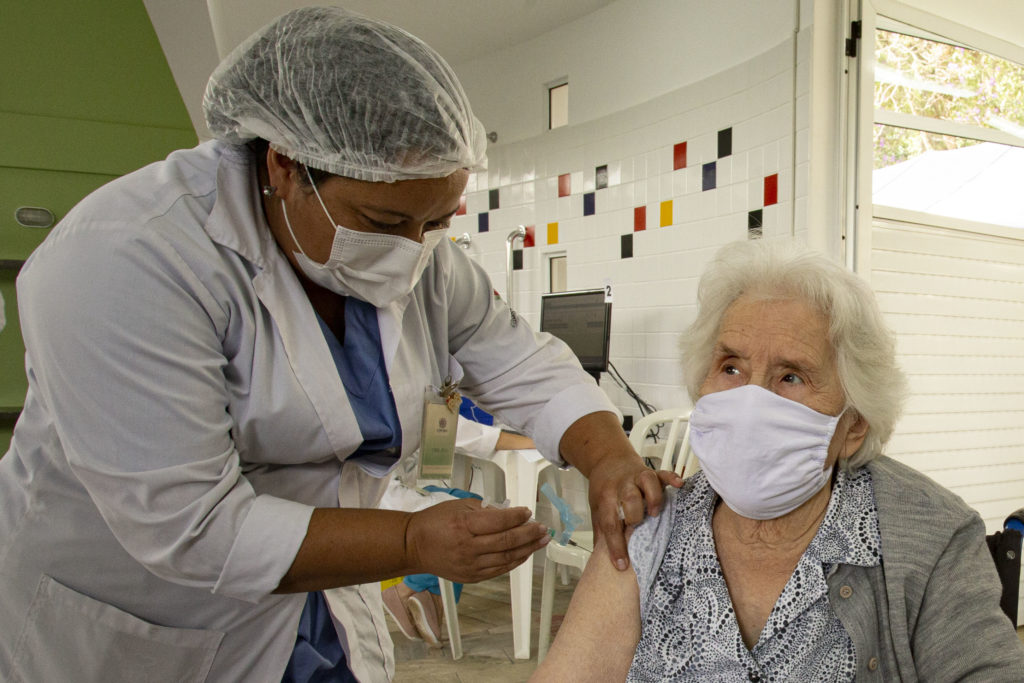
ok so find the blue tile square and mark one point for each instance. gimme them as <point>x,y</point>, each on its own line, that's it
<point>709,176</point>
<point>588,204</point>
<point>482,222</point>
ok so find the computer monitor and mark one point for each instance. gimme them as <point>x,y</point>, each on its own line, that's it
<point>583,320</point>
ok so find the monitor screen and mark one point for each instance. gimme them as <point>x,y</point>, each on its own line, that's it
<point>582,320</point>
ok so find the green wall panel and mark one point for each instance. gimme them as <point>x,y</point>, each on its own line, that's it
<point>95,61</point>
<point>66,144</point>
<point>54,190</point>
<point>12,350</point>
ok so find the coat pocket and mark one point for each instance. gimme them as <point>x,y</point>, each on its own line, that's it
<point>72,637</point>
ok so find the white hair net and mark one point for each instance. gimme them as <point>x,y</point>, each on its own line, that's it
<point>346,94</point>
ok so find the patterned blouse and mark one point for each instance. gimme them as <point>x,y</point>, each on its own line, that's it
<point>689,630</point>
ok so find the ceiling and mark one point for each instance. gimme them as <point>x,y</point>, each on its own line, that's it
<point>195,33</point>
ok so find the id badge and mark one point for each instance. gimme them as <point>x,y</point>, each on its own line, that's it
<point>437,439</point>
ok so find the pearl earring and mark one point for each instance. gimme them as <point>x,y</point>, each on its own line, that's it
<point>269,190</point>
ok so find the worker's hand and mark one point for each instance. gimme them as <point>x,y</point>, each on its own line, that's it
<point>622,492</point>
<point>461,541</point>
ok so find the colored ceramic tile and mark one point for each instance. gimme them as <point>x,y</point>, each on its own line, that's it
<point>530,238</point>
<point>639,218</point>
<point>517,259</point>
<point>461,211</point>
<point>755,223</point>
<point>724,142</point>
<point>771,189</point>
<point>482,222</point>
<point>552,233</point>
<point>666,213</point>
<point>588,204</point>
<point>626,246</point>
<point>564,185</point>
<point>708,176</point>
<point>492,199</point>
<point>601,177</point>
<point>679,156</point>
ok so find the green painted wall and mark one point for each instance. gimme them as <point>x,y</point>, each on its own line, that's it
<point>86,96</point>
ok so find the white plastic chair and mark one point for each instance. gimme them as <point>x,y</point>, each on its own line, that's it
<point>675,455</point>
<point>674,451</point>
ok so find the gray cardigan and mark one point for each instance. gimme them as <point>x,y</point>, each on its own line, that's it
<point>931,611</point>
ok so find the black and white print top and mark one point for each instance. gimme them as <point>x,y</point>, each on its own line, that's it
<point>688,627</point>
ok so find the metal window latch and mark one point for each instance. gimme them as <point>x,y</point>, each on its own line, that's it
<point>851,42</point>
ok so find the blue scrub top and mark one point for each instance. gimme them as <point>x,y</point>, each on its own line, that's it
<point>318,656</point>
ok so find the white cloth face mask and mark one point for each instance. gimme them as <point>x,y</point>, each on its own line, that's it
<point>762,453</point>
<point>373,267</point>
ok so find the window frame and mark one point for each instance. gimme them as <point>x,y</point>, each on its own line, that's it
<point>891,15</point>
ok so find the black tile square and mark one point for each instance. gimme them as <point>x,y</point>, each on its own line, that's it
<point>627,245</point>
<point>724,142</point>
<point>709,175</point>
<point>517,259</point>
<point>588,204</point>
<point>482,222</point>
<point>492,198</point>
<point>755,221</point>
<point>601,177</point>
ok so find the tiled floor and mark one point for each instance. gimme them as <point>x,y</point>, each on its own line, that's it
<point>485,618</point>
<point>486,622</point>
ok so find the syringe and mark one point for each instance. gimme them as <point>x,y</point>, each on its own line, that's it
<point>488,503</point>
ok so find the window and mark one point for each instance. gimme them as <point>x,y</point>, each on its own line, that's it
<point>557,279</point>
<point>948,128</point>
<point>558,105</point>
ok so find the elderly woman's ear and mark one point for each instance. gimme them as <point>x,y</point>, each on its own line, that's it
<point>851,432</point>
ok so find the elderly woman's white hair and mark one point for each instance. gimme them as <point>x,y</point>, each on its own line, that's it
<point>873,384</point>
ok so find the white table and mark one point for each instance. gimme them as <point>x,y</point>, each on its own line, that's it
<point>522,474</point>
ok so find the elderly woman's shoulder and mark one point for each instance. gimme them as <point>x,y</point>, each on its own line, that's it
<point>904,491</point>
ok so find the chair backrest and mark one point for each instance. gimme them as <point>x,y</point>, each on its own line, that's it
<point>1005,546</point>
<point>676,454</point>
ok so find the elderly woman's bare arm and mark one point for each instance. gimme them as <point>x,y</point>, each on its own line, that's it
<point>601,629</point>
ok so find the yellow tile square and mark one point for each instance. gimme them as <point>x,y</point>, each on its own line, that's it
<point>552,233</point>
<point>666,213</point>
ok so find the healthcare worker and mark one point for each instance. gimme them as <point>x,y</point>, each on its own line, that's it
<point>227,353</point>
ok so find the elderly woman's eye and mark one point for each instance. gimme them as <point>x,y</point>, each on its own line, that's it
<point>790,378</point>
<point>731,370</point>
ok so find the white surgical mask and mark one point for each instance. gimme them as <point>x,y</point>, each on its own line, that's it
<point>762,453</point>
<point>373,267</point>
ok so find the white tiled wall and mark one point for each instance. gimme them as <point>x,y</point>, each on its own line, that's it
<point>655,290</point>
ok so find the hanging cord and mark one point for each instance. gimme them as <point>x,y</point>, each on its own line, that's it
<point>645,407</point>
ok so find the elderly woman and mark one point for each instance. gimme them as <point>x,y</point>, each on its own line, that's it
<point>227,355</point>
<point>799,552</point>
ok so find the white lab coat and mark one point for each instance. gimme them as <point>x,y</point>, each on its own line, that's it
<point>184,417</point>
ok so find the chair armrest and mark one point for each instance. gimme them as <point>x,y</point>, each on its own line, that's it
<point>1015,521</point>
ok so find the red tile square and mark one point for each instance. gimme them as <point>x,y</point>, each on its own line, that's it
<point>771,189</point>
<point>461,211</point>
<point>639,218</point>
<point>564,185</point>
<point>679,156</point>
<point>528,240</point>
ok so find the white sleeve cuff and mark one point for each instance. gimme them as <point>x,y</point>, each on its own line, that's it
<point>264,549</point>
<point>562,410</point>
